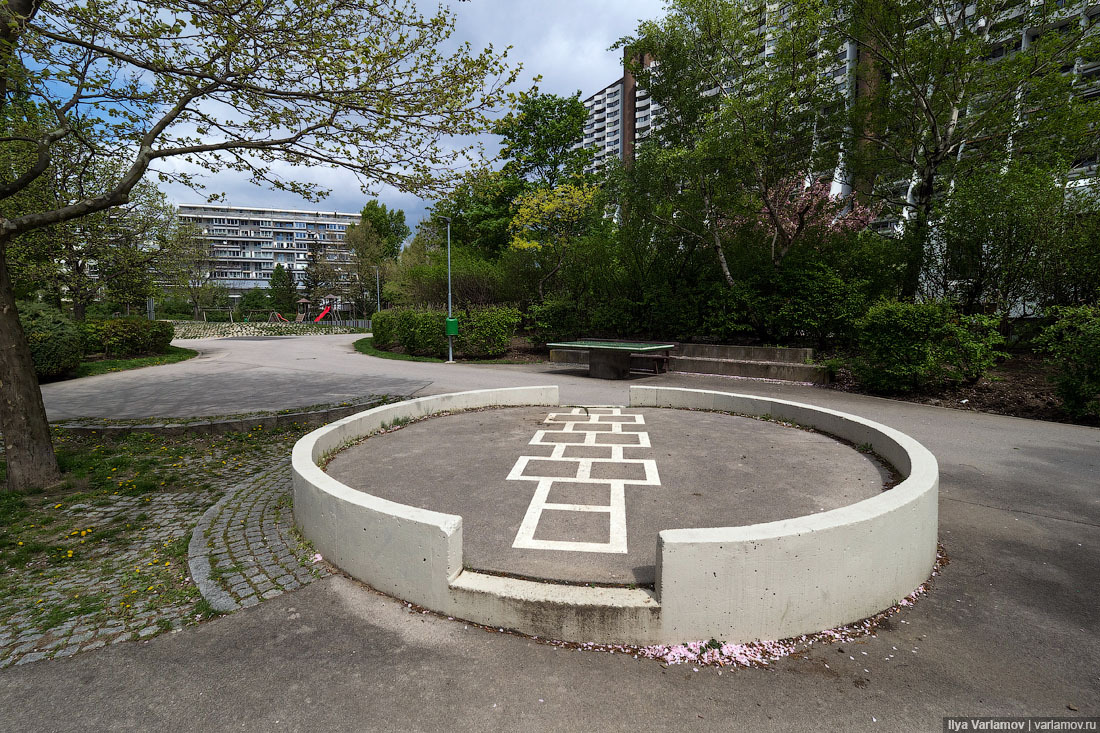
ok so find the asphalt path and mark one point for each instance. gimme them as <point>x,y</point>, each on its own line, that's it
<point>1010,628</point>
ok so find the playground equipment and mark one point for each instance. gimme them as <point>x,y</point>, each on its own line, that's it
<point>324,313</point>
<point>217,310</point>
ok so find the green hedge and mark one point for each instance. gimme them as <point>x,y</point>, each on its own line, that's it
<point>126,336</point>
<point>1073,341</point>
<point>482,332</point>
<point>904,347</point>
<point>53,339</point>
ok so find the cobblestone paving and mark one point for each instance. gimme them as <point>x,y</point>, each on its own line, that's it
<point>255,551</point>
<point>137,584</point>
<point>128,594</point>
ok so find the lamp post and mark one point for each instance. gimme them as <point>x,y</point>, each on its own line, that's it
<point>450,338</point>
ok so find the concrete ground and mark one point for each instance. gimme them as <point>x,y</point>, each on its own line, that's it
<point>711,470</point>
<point>1011,627</point>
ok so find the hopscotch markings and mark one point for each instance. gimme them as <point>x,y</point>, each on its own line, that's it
<point>582,428</point>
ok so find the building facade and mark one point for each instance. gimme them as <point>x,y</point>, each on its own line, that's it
<point>622,114</point>
<point>247,243</point>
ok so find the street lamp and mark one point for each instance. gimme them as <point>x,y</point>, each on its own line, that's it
<point>450,338</point>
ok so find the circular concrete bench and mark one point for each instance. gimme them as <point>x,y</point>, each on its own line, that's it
<point>737,584</point>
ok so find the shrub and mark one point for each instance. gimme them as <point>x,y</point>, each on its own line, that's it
<point>126,336</point>
<point>1073,341</point>
<point>817,304</point>
<point>486,332</point>
<point>904,347</point>
<point>482,332</point>
<point>382,326</point>
<point>557,319</point>
<point>53,339</point>
<point>417,331</point>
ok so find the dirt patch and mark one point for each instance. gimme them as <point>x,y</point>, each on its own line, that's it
<point>521,349</point>
<point>1021,386</point>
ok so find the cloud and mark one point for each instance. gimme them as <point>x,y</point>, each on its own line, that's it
<point>565,41</point>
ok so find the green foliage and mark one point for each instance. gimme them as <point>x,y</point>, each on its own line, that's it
<point>486,332</point>
<point>904,347</point>
<point>482,332</point>
<point>418,331</point>
<point>539,139</point>
<point>282,291</point>
<point>256,299</point>
<point>556,319</point>
<point>1073,341</point>
<point>53,339</point>
<point>817,304</point>
<point>388,224</point>
<point>121,337</point>
<point>480,209</point>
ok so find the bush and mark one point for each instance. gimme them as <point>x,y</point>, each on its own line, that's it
<point>482,332</point>
<point>1073,341</point>
<point>818,305</point>
<point>557,319</point>
<point>486,332</point>
<point>53,339</point>
<point>417,331</point>
<point>126,336</point>
<point>903,347</point>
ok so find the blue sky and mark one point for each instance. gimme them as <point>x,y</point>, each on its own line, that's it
<point>564,41</point>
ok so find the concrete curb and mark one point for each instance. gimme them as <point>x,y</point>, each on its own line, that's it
<point>797,576</point>
<point>198,558</point>
<point>738,584</point>
<point>221,427</point>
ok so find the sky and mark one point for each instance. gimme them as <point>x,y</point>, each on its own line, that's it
<point>564,41</point>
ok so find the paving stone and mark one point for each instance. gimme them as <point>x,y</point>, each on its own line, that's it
<point>28,658</point>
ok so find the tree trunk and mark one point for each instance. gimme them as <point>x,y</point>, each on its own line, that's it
<point>916,235</point>
<point>80,310</point>
<point>28,445</point>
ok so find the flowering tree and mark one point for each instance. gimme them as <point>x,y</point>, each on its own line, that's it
<point>793,212</point>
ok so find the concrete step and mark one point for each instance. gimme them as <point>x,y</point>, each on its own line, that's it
<point>782,370</point>
<point>754,363</point>
<point>580,356</point>
<point>747,353</point>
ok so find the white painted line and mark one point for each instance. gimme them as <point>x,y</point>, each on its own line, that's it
<point>582,428</point>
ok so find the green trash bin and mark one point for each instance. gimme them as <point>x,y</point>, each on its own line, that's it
<point>452,326</point>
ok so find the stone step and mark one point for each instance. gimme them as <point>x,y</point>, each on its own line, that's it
<point>782,370</point>
<point>580,356</point>
<point>747,353</point>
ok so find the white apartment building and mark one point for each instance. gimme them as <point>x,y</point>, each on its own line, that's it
<point>246,243</point>
<point>603,131</point>
<point>620,115</point>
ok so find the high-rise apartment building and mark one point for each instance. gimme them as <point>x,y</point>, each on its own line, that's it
<point>635,115</point>
<point>247,243</point>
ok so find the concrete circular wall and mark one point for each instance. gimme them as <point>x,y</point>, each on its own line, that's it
<point>736,584</point>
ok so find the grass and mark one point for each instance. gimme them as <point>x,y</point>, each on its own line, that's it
<point>103,366</point>
<point>366,346</point>
<point>80,549</point>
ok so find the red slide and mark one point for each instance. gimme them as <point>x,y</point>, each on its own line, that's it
<point>280,317</point>
<point>323,314</point>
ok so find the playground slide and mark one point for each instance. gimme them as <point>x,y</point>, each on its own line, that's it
<point>280,317</point>
<point>323,314</point>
